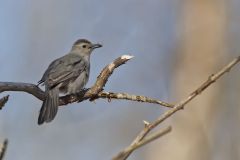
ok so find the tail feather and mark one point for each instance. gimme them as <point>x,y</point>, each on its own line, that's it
<point>49,107</point>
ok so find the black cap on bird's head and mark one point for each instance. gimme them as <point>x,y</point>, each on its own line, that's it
<point>79,41</point>
<point>85,41</point>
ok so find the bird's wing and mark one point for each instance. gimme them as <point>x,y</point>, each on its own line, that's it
<point>63,69</point>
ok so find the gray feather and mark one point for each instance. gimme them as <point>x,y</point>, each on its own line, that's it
<point>66,68</point>
<point>49,107</point>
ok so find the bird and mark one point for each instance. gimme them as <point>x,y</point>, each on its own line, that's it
<point>68,75</point>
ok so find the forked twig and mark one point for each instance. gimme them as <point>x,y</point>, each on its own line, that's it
<point>213,78</point>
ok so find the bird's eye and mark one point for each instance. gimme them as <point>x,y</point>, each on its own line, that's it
<point>84,46</point>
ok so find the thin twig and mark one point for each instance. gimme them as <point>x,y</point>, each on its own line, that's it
<point>126,96</point>
<point>180,105</point>
<point>3,149</point>
<point>146,140</point>
<point>3,101</point>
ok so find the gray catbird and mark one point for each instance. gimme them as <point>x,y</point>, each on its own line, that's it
<point>68,74</point>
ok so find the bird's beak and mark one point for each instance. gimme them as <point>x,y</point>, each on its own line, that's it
<point>94,46</point>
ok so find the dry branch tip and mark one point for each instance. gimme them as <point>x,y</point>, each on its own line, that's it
<point>3,101</point>
<point>126,57</point>
<point>3,149</point>
<point>146,123</point>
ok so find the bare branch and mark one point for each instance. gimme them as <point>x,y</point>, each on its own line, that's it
<point>126,96</point>
<point>181,104</point>
<point>3,101</point>
<point>92,93</point>
<point>22,87</point>
<point>3,149</point>
<point>146,140</point>
<point>105,74</point>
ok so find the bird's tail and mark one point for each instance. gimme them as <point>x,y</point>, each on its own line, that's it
<point>49,107</point>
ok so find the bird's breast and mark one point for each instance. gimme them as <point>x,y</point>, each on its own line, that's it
<point>78,84</point>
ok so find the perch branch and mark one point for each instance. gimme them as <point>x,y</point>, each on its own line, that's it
<point>178,106</point>
<point>95,92</point>
<point>3,149</point>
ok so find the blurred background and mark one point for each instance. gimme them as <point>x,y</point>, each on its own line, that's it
<point>176,44</point>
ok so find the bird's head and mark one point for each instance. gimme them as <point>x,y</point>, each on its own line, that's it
<point>84,47</point>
